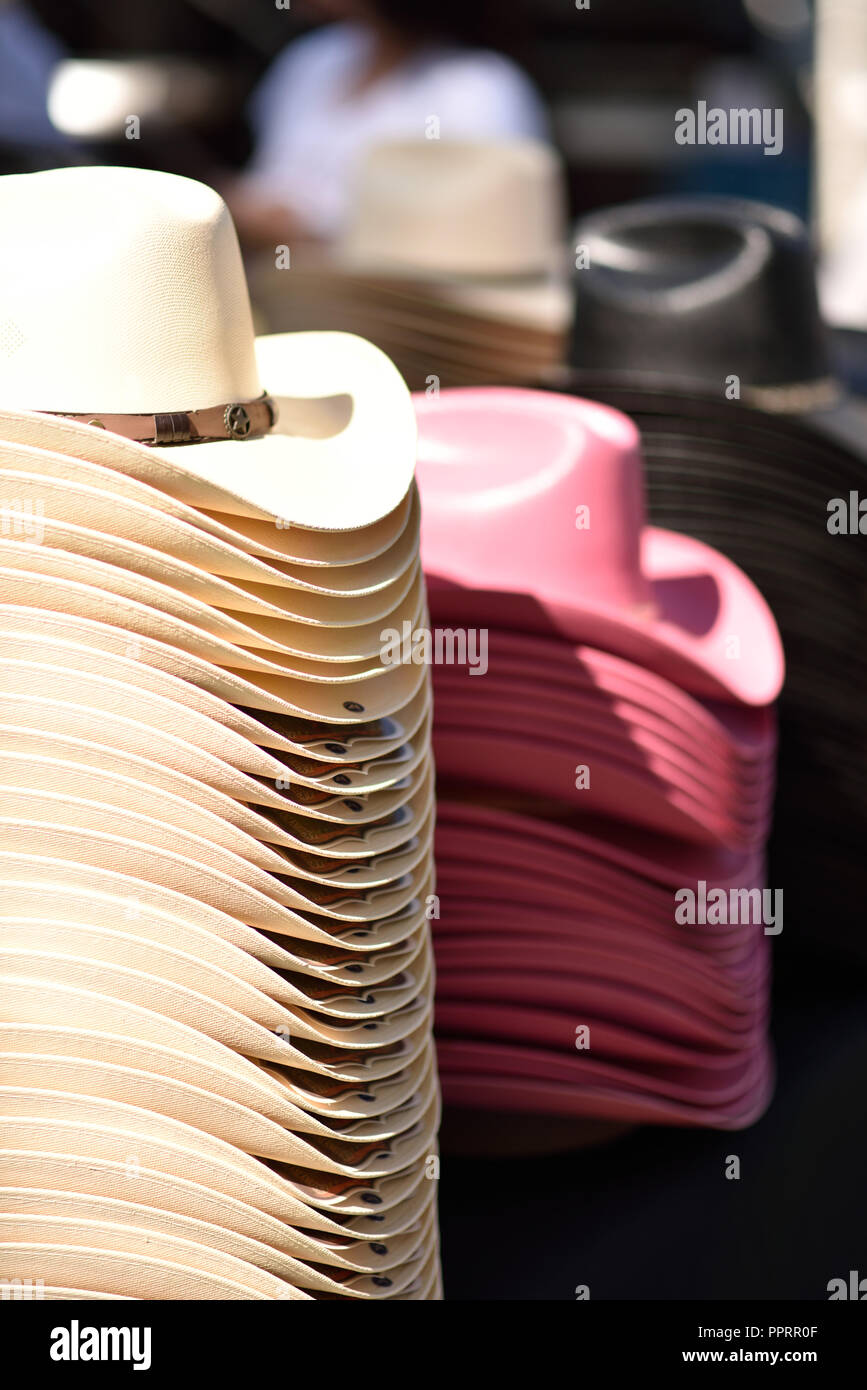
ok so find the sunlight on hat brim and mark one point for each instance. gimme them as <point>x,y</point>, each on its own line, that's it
<point>342,452</point>
<point>340,458</point>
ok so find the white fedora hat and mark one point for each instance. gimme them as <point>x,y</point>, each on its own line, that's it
<point>125,307</point>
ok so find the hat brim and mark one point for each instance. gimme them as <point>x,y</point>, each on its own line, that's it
<point>651,857</point>
<point>671,976</point>
<point>640,743</point>
<point>99,1128</point>
<point>210,1241</point>
<point>229,696</point>
<point>173,801</point>
<point>540,303</point>
<point>315,690</point>
<point>840,426</point>
<point>235,876</point>
<point>518,655</point>
<point>89,907</point>
<point>69,490</point>
<point>167,1192</point>
<point>511,1059</point>
<point>549,1028</point>
<point>616,788</point>
<point>101,1037</point>
<point>617,712</point>
<point>100,897</point>
<point>711,632</point>
<point>339,458</point>
<point>83,844</point>
<point>616,996</point>
<point>482,1091</point>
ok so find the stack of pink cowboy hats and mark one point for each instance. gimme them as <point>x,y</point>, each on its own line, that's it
<point>605,740</point>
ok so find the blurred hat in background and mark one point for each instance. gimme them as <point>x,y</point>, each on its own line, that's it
<point>456,208</point>
<point>716,295</point>
<point>451,262</point>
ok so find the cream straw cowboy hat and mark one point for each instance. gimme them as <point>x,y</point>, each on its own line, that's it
<point>452,261</point>
<point>439,209</point>
<point>125,305</point>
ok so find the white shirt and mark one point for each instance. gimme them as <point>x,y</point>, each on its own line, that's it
<point>312,128</point>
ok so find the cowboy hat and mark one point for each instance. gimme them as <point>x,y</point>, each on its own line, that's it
<point>716,294</point>
<point>181,362</point>
<point>524,491</point>
<point>451,260</point>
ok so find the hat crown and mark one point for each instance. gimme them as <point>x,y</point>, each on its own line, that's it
<point>123,291</point>
<point>458,207</point>
<point>532,483</point>
<point>698,289</point>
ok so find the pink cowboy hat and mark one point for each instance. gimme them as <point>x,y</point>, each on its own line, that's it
<point>534,519</point>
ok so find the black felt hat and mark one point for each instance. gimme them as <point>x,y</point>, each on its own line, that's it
<point>716,295</point>
<point>678,297</point>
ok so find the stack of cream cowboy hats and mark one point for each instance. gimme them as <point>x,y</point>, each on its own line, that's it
<point>216,1070</point>
<point>605,744</point>
<point>451,262</point>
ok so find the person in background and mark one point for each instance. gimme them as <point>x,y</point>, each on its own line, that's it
<point>383,70</point>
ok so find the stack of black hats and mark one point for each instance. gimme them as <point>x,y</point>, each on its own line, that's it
<point>699,318</point>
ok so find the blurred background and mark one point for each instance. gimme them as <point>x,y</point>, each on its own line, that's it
<point>610,76</point>
<point>246,95</point>
<point>218,90</point>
